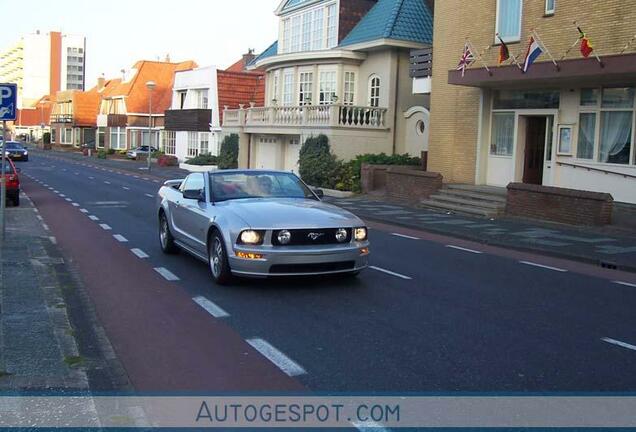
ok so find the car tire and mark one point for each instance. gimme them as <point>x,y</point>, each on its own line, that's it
<point>218,260</point>
<point>165,236</point>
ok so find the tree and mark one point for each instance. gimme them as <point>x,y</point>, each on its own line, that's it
<point>228,156</point>
<point>317,165</point>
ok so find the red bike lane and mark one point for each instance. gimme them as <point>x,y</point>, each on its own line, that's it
<point>165,341</point>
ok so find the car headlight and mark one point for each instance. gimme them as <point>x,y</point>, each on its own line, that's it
<point>251,237</point>
<point>341,235</point>
<point>360,234</point>
<point>284,237</point>
<point>26,152</point>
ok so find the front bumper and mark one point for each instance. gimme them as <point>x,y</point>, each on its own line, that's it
<point>17,156</point>
<point>301,261</point>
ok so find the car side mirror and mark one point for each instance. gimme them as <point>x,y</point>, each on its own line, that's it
<point>319,193</point>
<point>194,194</point>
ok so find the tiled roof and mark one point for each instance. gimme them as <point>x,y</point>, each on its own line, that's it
<point>32,116</point>
<point>235,88</point>
<point>272,50</point>
<point>406,20</point>
<point>136,92</point>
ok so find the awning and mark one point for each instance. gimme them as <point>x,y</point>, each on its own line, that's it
<point>616,70</point>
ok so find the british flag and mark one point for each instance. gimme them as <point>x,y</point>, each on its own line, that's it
<point>466,60</point>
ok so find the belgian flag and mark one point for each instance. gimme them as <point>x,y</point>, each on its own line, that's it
<point>586,45</point>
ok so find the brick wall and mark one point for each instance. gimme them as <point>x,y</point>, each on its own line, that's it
<point>373,177</point>
<point>559,204</point>
<point>351,12</point>
<point>454,109</point>
<point>411,185</point>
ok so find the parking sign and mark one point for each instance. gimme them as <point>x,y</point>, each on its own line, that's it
<point>8,101</point>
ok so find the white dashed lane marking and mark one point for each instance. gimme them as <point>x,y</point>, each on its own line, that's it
<point>530,263</point>
<point>389,272</point>
<point>283,362</point>
<point>149,196</point>
<point>464,249</point>
<point>139,253</point>
<point>210,307</point>
<point>167,274</point>
<point>93,218</point>
<point>120,238</point>
<point>105,227</point>
<point>625,284</point>
<point>84,211</point>
<point>619,343</point>
<point>405,236</point>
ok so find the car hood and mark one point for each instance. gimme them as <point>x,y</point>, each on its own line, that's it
<point>279,213</point>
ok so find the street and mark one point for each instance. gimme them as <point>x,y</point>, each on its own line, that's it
<point>429,316</point>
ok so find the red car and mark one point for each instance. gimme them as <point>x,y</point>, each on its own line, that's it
<point>13,182</point>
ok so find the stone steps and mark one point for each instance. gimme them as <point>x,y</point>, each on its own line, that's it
<point>483,201</point>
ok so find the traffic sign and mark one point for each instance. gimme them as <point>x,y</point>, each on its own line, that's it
<point>8,101</point>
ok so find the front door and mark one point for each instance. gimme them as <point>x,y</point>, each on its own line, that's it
<point>535,150</point>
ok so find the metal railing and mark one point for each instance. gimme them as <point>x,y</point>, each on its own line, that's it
<point>61,118</point>
<point>335,115</point>
<point>421,63</point>
<point>585,167</point>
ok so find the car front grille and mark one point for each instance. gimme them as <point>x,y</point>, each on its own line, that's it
<point>308,237</point>
<point>312,268</point>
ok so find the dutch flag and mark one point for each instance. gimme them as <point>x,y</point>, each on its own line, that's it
<point>534,51</point>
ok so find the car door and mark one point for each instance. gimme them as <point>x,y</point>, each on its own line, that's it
<point>191,215</point>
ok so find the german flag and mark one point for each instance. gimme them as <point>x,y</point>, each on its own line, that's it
<point>504,53</point>
<point>586,45</point>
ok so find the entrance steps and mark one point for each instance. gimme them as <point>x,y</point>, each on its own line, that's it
<point>483,201</point>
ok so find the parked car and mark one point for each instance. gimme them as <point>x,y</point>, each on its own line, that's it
<point>13,182</point>
<point>259,223</point>
<point>139,151</point>
<point>16,151</point>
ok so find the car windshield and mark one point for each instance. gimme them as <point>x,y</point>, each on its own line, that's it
<point>243,185</point>
<point>14,146</point>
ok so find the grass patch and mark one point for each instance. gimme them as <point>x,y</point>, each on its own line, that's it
<point>74,361</point>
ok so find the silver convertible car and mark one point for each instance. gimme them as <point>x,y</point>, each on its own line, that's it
<point>259,223</point>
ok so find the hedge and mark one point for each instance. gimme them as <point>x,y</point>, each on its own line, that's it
<point>228,155</point>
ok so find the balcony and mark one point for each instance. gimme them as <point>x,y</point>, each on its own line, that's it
<point>195,120</point>
<point>62,118</point>
<point>311,116</point>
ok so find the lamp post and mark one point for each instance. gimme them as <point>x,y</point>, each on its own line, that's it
<point>151,86</point>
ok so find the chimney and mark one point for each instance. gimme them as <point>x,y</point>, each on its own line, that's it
<point>247,58</point>
<point>101,82</point>
<point>168,58</point>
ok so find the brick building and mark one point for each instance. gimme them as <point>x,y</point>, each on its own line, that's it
<point>570,126</point>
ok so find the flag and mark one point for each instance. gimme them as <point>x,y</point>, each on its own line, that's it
<point>504,54</point>
<point>534,51</point>
<point>466,60</point>
<point>586,45</point>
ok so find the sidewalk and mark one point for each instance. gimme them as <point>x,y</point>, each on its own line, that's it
<point>137,167</point>
<point>49,336</point>
<point>605,246</point>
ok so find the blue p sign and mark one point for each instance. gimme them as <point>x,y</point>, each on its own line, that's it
<point>8,101</point>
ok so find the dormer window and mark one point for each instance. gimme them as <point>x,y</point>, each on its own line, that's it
<point>309,29</point>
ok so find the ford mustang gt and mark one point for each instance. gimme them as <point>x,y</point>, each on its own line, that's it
<point>259,223</point>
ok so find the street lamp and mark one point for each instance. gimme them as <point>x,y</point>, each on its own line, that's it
<point>151,85</point>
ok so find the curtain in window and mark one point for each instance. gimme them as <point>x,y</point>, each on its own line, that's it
<point>587,129</point>
<point>503,129</point>
<point>616,136</point>
<point>509,12</point>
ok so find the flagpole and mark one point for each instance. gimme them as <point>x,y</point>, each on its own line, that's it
<point>512,56</point>
<point>538,39</point>
<point>631,41</point>
<point>479,57</point>
<point>594,51</point>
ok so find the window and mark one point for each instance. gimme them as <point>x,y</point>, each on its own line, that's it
<point>509,20</point>
<point>181,97</point>
<point>526,99</point>
<point>374,91</point>
<point>305,88</point>
<point>316,43</point>
<point>327,87</point>
<point>194,181</point>
<point>288,88</point>
<point>550,6</point>
<point>204,143</point>
<point>67,136</point>
<point>275,89</point>
<point>349,88</point>
<point>118,138</point>
<point>134,139</point>
<point>503,127</point>
<point>101,137</point>
<point>286,35</point>
<point>193,144</point>
<point>606,125</point>
<point>587,134</point>
<point>332,26</point>
<point>202,99</point>
<point>307,18</point>
<point>169,142</point>
<point>295,34</point>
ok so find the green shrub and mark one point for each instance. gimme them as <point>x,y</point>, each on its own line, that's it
<point>203,159</point>
<point>347,177</point>
<point>102,154</point>
<point>316,165</point>
<point>228,155</point>
<point>110,151</point>
<point>46,138</point>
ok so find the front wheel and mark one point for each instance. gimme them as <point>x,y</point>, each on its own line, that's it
<point>217,257</point>
<point>165,236</point>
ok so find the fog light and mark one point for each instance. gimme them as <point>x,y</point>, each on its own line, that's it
<point>284,237</point>
<point>341,235</point>
<point>249,255</point>
<point>364,251</point>
<point>360,234</point>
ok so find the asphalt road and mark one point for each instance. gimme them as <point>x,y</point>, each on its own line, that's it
<point>426,318</point>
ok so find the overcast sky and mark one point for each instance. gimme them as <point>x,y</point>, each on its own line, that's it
<point>120,32</point>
